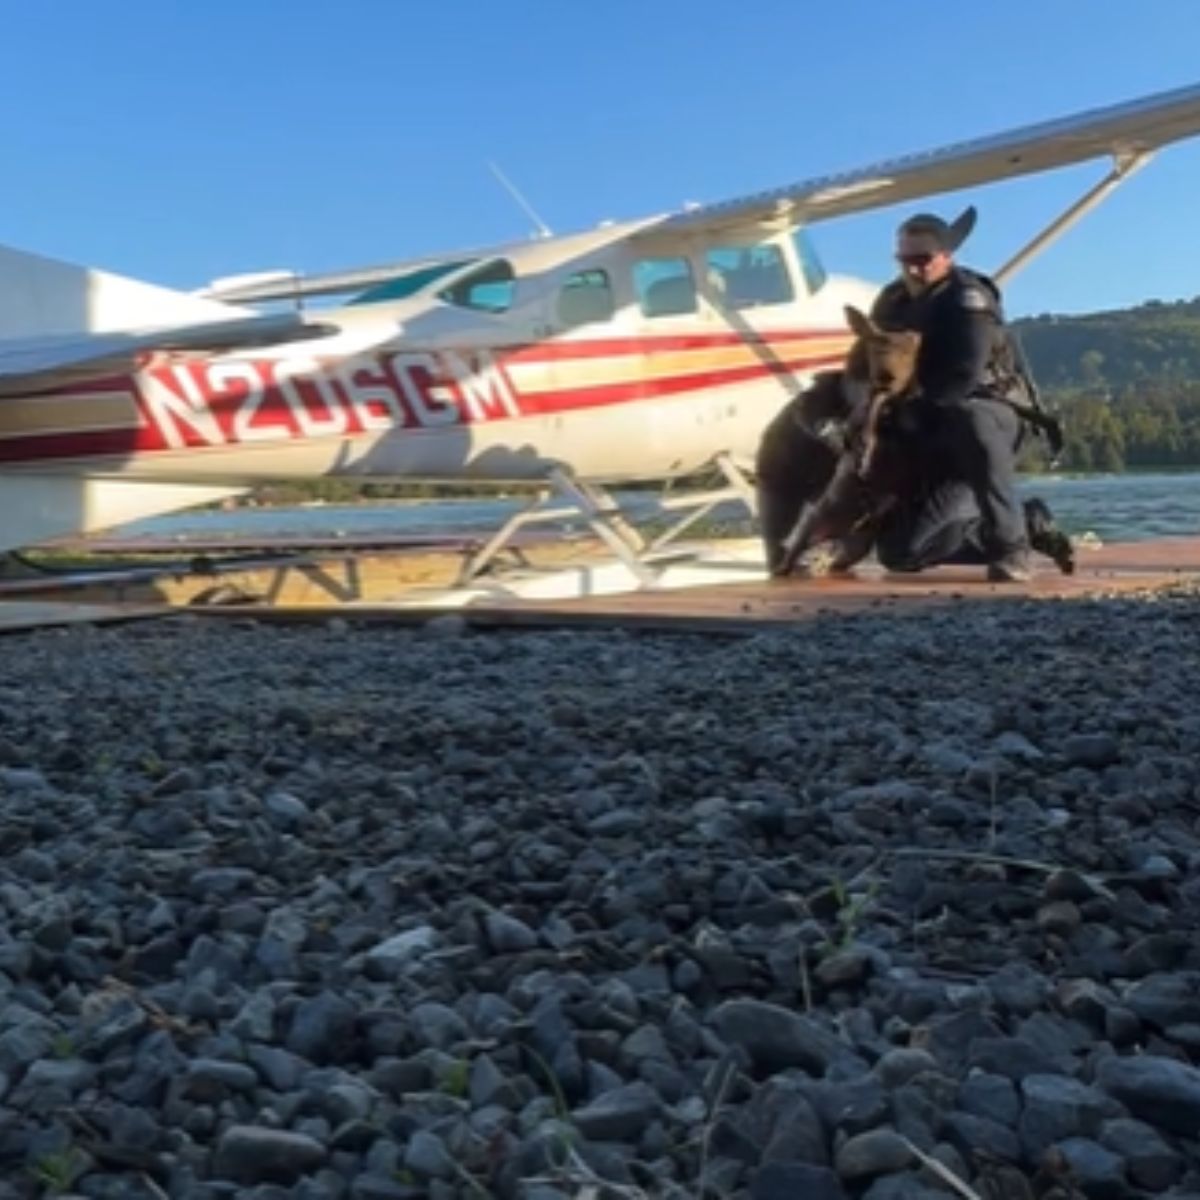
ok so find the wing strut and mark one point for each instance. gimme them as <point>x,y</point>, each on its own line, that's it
<point>1123,167</point>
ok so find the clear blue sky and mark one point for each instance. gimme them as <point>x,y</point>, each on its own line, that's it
<point>178,140</point>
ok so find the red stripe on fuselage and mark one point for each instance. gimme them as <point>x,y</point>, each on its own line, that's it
<point>558,351</point>
<point>226,403</point>
<point>575,399</point>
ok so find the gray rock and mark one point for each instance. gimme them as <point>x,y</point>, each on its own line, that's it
<point>156,1062</point>
<point>217,963</point>
<point>1122,1026</point>
<point>1150,1162</point>
<point>793,1181</point>
<point>906,1186</point>
<point>1085,1000</point>
<point>344,1101</point>
<point>1068,884</point>
<point>967,1133</point>
<point>1058,1108</point>
<point>947,758</point>
<point>1019,989</point>
<point>388,959</point>
<point>1154,953</point>
<point>1100,1172</point>
<point>618,823</point>
<point>507,935</point>
<point>898,1066</point>
<point>254,1154</point>
<point>279,1068</point>
<point>619,1115</point>
<point>209,1081</point>
<point>1161,1091</point>
<point>427,1156</point>
<point>133,1128</point>
<point>992,1096</point>
<point>1015,1057</point>
<point>56,1077</point>
<point>777,1038</point>
<point>876,1152</point>
<point>1092,750</point>
<point>845,968</point>
<point>438,1025</point>
<point>24,1045</point>
<point>380,1187</point>
<point>781,1124</point>
<point>950,1037</point>
<point>849,1106</point>
<point>222,882</point>
<point>322,1029</point>
<point>1014,746</point>
<point>255,1020</point>
<point>1061,917</point>
<point>1165,1000</point>
<point>286,811</point>
<point>487,1085</point>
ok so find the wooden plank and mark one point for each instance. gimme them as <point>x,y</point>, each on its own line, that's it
<point>21,616</point>
<point>750,607</point>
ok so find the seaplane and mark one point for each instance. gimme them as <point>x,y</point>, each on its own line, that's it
<point>655,349</point>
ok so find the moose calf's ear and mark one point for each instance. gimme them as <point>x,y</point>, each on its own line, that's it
<point>859,323</point>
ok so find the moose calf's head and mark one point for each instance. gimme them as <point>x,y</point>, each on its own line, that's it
<point>891,356</point>
<point>891,364</point>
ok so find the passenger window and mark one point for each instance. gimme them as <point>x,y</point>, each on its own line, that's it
<point>748,276</point>
<point>664,287</point>
<point>490,289</point>
<point>586,296</point>
<point>810,262</point>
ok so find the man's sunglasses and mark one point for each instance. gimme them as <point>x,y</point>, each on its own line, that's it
<point>915,260</point>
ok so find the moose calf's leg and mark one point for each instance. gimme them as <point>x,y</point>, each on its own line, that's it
<point>840,508</point>
<point>792,468</point>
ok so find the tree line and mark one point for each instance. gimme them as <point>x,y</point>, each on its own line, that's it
<point>1126,384</point>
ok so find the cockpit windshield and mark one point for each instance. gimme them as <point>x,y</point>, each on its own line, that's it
<point>490,289</point>
<point>404,286</point>
<point>810,262</point>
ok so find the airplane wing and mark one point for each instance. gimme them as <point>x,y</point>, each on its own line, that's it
<point>1129,129</point>
<point>258,287</point>
<point>1123,130</point>
<point>32,365</point>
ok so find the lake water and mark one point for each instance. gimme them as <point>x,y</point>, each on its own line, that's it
<point>1113,507</point>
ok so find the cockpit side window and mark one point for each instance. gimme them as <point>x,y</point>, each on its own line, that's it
<point>403,286</point>
<point>584,297</point>
<point>749,276</point>
<point>815,275</point>
<point>490,289</point>
<point>664,287</point>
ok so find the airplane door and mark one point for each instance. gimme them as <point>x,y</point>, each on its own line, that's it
<point>758,310</point>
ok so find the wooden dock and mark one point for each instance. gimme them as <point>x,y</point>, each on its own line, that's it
<point>731,608</point>
<point>748,607</point>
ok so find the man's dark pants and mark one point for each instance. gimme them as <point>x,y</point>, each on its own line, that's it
<point>969,511</point>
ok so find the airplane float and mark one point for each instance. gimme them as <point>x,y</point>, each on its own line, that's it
<point>644,350</point>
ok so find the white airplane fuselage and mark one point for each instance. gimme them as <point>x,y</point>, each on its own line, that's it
<point>440,385</point>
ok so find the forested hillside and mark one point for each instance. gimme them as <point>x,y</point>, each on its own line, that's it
<point>1126,382</point>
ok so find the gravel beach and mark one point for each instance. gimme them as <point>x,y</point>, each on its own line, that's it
<point>878,906</point>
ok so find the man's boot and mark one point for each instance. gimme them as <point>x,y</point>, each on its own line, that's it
<point>1045,536</point>
<point>1012,568</point>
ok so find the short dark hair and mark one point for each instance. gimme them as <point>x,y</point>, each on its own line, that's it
<point>930,225</point>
